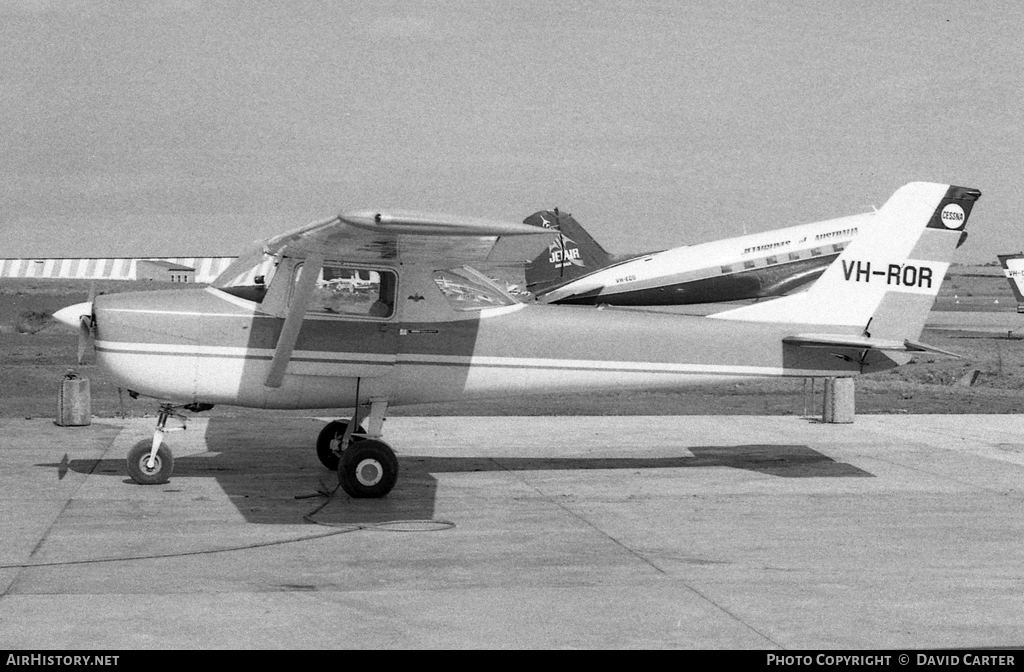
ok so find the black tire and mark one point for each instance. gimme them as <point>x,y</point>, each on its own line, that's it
<point>138,457</point>
<point>325,443</point>
<point>368,469</point>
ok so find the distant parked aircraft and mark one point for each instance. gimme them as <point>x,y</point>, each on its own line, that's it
<point>1013,269</point>
<point>576,269</point>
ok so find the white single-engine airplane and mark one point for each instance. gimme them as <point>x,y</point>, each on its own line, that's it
<point>274,332</point>
<point>575,269</point>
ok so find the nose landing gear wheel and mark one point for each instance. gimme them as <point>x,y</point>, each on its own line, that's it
<point>138,463</point>
<point>368,469</point>
<point>327,442</point>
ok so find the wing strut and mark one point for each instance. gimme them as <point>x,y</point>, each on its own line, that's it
<point>293,321</point>
<point>378,409</point>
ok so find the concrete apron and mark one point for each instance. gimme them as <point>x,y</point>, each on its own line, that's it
<point>591,532</point>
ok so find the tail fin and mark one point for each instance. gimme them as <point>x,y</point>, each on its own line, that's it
<point>572,255</point>
<point>887,278</point>
<point>1013,269</point>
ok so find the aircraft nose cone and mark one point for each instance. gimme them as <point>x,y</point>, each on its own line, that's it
<point>72,315</point>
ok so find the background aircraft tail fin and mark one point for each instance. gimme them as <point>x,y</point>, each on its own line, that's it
<point>887,278</point>
<point>1013,269</point>
<point>572,255</point>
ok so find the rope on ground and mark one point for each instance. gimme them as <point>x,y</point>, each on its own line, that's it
<point>334,529</point>
<point>415,525</point>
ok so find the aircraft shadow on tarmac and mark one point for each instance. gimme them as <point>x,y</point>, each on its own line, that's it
<point>274,480</point>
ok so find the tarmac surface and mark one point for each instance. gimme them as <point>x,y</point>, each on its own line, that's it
<point>744,532</point>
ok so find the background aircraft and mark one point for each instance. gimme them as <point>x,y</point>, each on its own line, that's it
<point>991,323</point>
<point>1013,269</point>
<point>576,269</point>
<point>437,330</point>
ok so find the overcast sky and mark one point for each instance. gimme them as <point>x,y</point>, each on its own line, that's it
<point>153,128</point>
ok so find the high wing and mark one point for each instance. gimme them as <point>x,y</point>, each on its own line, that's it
<point>400,236</point>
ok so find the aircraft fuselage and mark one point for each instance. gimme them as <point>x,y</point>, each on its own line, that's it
<point>203,345</point>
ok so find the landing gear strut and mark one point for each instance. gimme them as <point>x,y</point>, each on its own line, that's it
<point>366,466</point>
<point>150,462</point>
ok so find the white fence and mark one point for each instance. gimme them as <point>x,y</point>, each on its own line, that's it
<point>111,268</point>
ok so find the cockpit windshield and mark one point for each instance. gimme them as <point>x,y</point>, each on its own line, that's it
<point>466,288</point>
<point>248,276</point>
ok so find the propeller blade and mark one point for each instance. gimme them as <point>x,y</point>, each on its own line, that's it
<point>80,316</point>
<point>84,336</point>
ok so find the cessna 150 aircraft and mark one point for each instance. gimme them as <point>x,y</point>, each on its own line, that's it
<point>273,333</point>
<point>576,269</point>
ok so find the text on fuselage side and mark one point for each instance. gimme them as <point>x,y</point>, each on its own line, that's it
<point>769,246</point>
<point>844,233</point>
<point>900,275</point>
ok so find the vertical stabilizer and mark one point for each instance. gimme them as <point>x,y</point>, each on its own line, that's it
<point>886,280</point>
<point>1013,269</point>
<point>572,255</point>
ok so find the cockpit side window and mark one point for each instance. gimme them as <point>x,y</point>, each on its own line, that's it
<point>352,291</point>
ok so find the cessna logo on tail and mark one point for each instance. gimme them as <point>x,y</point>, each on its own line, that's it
<point>898,275</point>
<point>953,216</point>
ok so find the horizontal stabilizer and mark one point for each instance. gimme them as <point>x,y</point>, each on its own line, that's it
<point>914,346</point>
<point>862,343</point>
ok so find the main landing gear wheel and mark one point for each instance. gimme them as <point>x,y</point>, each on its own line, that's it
<point>368,469</point>
<point>138,463</point>
<point>328,441</point>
